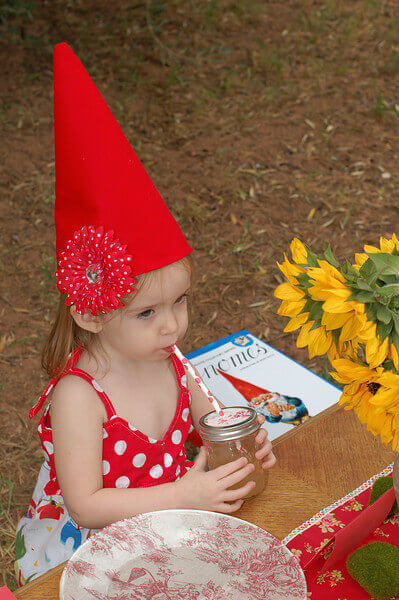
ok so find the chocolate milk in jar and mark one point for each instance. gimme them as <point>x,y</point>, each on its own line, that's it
<point>231,436</point>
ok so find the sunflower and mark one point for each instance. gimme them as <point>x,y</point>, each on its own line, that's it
<point>317,339</point>
<point>304,296</point>
<point>374,396</point>
<point>293,298</point>
<point>350,312</point>
<point>328,285</point>
<point>376,275</point>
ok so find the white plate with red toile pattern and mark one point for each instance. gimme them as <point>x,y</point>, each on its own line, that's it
<point>182,555</point>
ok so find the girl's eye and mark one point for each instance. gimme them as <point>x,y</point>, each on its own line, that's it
<point>181,298</point>
<point>145,314</point>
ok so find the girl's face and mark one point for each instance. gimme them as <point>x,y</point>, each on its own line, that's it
<point>155,318</point>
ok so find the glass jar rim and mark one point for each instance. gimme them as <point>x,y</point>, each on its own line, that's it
<point>229,432</point>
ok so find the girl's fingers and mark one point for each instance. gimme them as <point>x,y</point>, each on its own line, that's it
<point>230,467</point>
<point>264,451</point>
<point>230,508</point>
<point>236,477</point>
<point>231,495</point>
<point>261,437</point>
<point>269,462</point>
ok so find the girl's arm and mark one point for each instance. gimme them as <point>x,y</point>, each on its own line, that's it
<point>77,417</point>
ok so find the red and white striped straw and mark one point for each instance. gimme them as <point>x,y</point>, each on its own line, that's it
<point>197,379</point>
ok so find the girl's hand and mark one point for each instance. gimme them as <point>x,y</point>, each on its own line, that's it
<point>265,452</point>
<point>207,490</point>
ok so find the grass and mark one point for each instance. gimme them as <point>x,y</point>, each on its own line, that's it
<point>7,530</point>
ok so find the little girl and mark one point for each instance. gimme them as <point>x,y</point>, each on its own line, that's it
<point>121,406</point>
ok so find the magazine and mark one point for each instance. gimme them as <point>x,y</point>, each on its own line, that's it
<point>242,370</point>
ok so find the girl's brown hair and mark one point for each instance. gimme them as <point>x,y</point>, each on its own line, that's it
<point>66,335</point>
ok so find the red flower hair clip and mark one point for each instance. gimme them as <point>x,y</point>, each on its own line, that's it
<point>94,271</point>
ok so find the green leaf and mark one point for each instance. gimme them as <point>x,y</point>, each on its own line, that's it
<point>362,284</point>
<point>386,263</point>
<point>383,314</point>
<point>392,289</point>
<point>352,296</point>
<point>303,280</point>
<point>395,339</point>
<point>389,278</point>
<point>367,269</point>
<point>395,318</point>
<point>330,257</point>
<point>384,329</point>
<point>388,365</point>
<point>364,296</point>
<point>316,313</point>
<point>349,271</point>
<point>308,305</point>
<point>312,259</point>
<point>371,312</point>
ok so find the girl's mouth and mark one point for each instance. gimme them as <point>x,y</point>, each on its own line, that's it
<point>168,349</point>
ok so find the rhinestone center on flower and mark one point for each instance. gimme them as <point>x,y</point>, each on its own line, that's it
<point>93,272</point>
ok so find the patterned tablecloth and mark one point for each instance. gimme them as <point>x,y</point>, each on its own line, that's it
<point>307,539</point>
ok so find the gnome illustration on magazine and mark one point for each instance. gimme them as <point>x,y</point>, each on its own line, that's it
<point>274,406</point>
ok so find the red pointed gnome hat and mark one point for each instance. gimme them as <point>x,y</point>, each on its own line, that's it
<point>246,389</point>
<point>111,222</point>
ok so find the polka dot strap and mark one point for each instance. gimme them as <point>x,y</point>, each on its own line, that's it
<point>72,359</point>
<point>100,392</point>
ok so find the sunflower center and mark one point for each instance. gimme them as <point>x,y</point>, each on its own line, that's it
<point>373,387</point>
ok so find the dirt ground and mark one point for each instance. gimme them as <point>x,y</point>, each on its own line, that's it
<point>257,121</point>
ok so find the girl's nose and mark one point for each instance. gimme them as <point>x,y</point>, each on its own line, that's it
<point>169,323</point>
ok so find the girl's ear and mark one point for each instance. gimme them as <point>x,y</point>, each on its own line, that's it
<point>86,321</point>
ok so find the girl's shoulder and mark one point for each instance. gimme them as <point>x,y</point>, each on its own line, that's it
<point>73,395</point>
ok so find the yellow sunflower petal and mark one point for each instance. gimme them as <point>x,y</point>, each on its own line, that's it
<point>387,245</point>
<point>352,371</point>
<point>296,322</point>
<point>389,380</point>
<point>331,270</point>
<point>303,337</point>
<point>360,259</point>
<point>286,291</point>
<point>291,309</point>
<point>334,320</point>
<point>368,331</point>
<point>336,305</point>
<point>298,251</point>
<point>376,352</point>
<point>394,355</point>
<point>351,328</point>
<point>371,249</point>
<point>320,343</point>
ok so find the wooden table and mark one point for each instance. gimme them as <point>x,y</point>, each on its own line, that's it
<point>318,463</point>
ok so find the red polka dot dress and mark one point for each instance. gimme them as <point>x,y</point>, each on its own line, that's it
<point>48,535</point>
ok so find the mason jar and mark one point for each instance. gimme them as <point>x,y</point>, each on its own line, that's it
<point>231,436</point>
